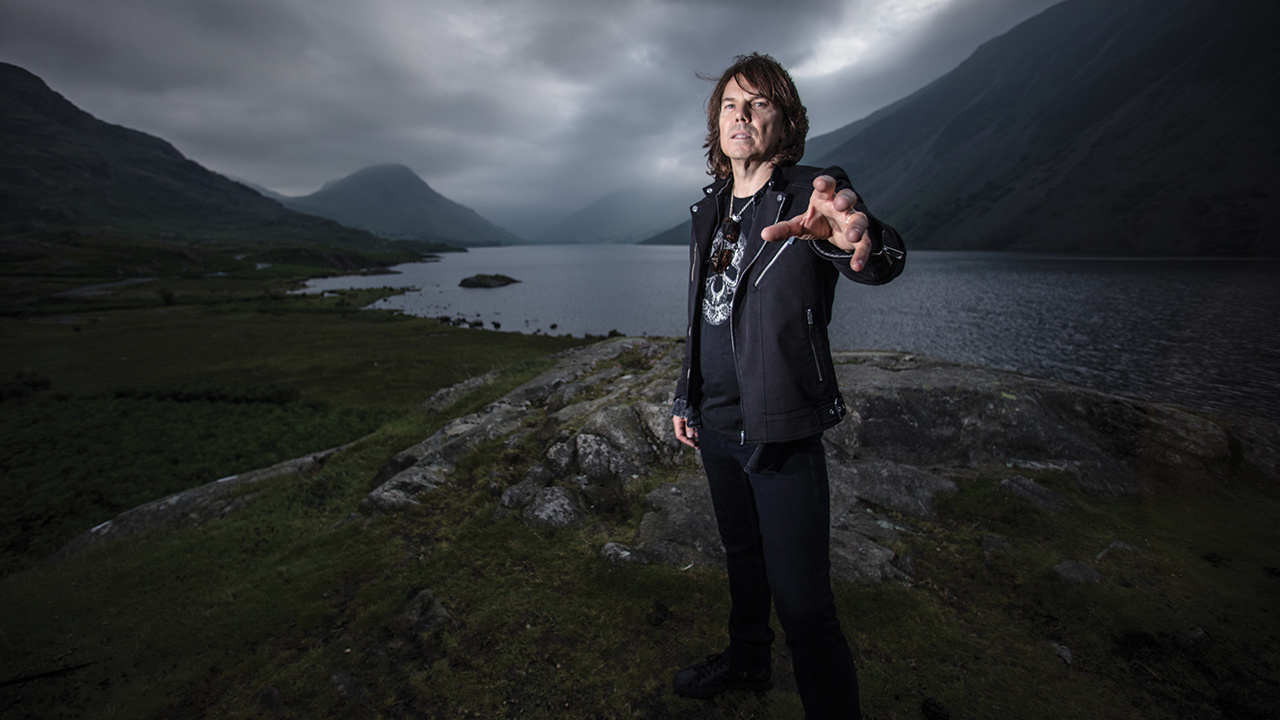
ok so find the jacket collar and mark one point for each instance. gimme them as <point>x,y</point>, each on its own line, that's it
<point>720,186</point>
<point>706,213</point>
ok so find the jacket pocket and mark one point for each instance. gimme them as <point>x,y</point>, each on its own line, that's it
<point>811,321</point>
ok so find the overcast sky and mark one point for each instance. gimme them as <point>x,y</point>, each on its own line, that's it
<point>515,108</point>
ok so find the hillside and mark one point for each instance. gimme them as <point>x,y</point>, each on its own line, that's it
<point>1140,127</point>
<point>1097,127</point>
<point>391,201</point>
<point>678,235</point>
<point>61,169</point>
<point>626,216</point>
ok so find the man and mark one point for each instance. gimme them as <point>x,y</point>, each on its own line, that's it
<point>770,241</point>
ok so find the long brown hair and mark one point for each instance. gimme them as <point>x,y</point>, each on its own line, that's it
<point>771,80</point>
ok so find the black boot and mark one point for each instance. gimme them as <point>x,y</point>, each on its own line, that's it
<point>712,676</point>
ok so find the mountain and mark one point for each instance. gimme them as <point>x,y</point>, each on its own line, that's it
<point>63,169</point>
<point>676,235</point>
<point>392,202</point>
<point>822,145</point>
<point>264,191</point>
<point>1142,127</point>
<point>626,216</point>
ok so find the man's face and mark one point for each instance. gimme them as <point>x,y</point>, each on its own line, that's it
<point>750,124</point>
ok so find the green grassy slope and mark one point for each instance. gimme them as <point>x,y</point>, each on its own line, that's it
<point>113,400</point>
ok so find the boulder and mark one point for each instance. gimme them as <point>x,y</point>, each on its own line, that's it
<point>403,489</point>
<point>519,495</point>
<point>618,553</point>
<point>554,507</point>
<point>680,528</point>
<point>858,558</point>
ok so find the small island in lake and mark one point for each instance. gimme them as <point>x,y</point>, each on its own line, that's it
<point>486,281</point>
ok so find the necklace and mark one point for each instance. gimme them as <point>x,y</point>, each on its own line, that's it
<point>737,216</point>
<point>730,229</point>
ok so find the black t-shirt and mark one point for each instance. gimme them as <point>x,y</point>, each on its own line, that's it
<point>720,409</point>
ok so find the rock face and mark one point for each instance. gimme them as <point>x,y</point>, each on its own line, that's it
<point>603,413</point>
<point>600,427</point>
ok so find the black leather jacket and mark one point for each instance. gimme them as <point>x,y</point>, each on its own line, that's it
<point>780,311</point>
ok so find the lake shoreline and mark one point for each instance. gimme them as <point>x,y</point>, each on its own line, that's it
<point>1194,332</point>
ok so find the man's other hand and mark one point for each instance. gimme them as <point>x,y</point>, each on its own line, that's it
<point>685,433</point>
<point>831,217</point>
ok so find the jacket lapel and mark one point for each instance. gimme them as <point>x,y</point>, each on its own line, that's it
<point>706,215</point>
<point>771,203</point>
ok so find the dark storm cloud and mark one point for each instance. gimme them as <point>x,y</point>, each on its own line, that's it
<point>150,46</point>
<point>521,110</point>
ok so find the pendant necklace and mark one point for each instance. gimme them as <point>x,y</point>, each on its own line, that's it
<point>730,228</point>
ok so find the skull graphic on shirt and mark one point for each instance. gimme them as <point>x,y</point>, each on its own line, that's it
<point>717,295</point>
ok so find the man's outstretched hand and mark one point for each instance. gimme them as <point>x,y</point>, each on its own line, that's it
<point>830,217</point>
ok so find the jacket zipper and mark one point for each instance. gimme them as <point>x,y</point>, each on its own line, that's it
<point>733,351</point>
<point>785,245</point>
<point>733,342</point>
<point>813,349</point>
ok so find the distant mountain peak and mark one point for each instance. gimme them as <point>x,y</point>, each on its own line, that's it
<point>389,179</point>
<point>392,201</point>
<point>389,170</point>
<point>386,173</point>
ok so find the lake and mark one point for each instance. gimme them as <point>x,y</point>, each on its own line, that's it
<point>1200,333</point>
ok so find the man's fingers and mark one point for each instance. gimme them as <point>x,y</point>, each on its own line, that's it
<point>856,231</point>
<point>861,253</point>
<point>824,185</point>
<point>845,200</point>
<point>782,231</point>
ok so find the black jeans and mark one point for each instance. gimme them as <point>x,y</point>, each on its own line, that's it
<point>773,510</point>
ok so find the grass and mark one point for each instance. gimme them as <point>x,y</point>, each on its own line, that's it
<point>72,462</point>
<point>326,348</point>
<point>1170,631</point>
<point>291,608</point>
<point>157,387</point>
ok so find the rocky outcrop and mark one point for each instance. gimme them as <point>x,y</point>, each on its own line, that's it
<point>194,506</point>
<point>595,434</point>
<point>601,423</point>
